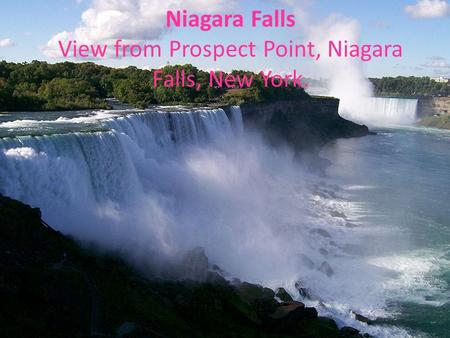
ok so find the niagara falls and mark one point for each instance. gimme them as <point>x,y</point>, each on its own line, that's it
<point>223,168</point>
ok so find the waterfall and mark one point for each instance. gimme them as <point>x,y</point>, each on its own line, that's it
<point>384,111</point>
<point>236,119</point>
<point>99,165</point>
<point>154,184</point>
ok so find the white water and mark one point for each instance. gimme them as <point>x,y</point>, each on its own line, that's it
<point>155,184</point>
<point>380,111</point>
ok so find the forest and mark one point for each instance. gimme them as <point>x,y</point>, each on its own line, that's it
<point>414,87</point>
<point>38,85</point>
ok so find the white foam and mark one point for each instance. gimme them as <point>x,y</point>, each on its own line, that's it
<point>158,183</point>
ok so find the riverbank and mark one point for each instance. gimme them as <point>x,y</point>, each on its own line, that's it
<point>305,125</point>
<point>52,286</point>
<point>434,112</point>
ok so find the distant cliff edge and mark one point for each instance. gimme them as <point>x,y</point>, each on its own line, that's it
<point>303,124</point>
<point>434,112</point>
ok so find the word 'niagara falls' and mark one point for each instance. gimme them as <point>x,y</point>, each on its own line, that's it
<point>205,22</point>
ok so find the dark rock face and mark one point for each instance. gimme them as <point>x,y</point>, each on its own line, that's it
<point>350,332</point>
<point>50,286</point>
<point>286,308</point>
<point>362,318</point>
<point>303,124</point>
<point>38,299</point>
<point>283,295</point>
<point>429,106</point>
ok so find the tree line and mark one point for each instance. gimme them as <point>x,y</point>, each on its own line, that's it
<point>411,86</point>
<point>39,85</point>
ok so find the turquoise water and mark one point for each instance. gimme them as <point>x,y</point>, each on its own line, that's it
<point>401,177</point>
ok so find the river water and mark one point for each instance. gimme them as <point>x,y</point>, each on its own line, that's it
<point>401,180</point>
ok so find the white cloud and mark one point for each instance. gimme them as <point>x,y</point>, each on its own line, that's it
<point>6,43</point>
<point>381,24</point>
<point>429,9</point>
<point>437,62</point>
<point>135,20</point>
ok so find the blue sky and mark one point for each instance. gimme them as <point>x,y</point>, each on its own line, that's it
<point>424,32</point>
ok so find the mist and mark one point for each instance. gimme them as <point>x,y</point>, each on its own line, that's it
<point>346,78</point>
<point>153,194</point>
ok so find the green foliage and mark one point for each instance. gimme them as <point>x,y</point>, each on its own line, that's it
<point>66,94</point>
<point>441,121</point>
<point>66,86</point>
<point>409,87</point>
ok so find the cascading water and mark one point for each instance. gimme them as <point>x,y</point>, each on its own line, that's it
<point>154,184</point>
<point>384,111</point>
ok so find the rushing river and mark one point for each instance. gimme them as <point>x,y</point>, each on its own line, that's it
<point>401,179</point>
<point>370,237</point>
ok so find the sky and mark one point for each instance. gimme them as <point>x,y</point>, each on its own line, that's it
<point>29,31</point>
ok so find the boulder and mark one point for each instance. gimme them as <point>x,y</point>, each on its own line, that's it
<point>283,295</point>
<point>285,308</point>
<point>349,332</point>
<point>260,298</point>
<point>304,292</point>
<point>362,318</point>
<point>251,292</point>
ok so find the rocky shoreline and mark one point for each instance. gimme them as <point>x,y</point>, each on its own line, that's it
<point>51,286</point>
<point>434,112</point>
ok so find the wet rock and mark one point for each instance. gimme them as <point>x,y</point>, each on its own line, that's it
<point>349,332</point>
<point>253,291</point>
<point>362,318</point>
<point>293,319</point>
<point>297,312</point>
<point>283,295</point>
<point>328,322</point>
<point>326,269</point>
<point>304,292</point>
<point>285,308</point>
<point>261,299</point>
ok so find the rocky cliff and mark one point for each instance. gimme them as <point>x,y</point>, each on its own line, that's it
<point>303,124</point>
<point>50,286</point>
<point>434,112</point>
<point>433,106</point>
